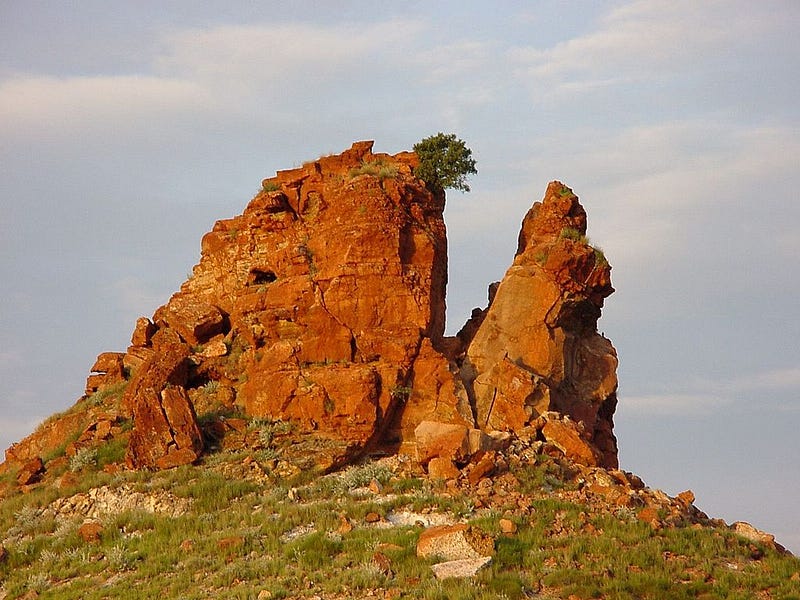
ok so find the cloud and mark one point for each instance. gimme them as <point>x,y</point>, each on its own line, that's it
<point>272,73</point>
<point>663,184</point>
<point>645,40</point>
<point>673,404</point>
<point>788,378</point>
<point>770,383</point>
<point>456,59</point>
<point>271,58</point>
<point>51,104</point>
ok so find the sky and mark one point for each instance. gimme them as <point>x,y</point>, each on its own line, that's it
<point>128,128</point>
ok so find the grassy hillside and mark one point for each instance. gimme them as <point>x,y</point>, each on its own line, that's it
<point>255,525</point>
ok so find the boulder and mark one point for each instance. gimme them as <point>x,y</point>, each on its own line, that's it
<point>454,542</point>
<point>99,430</point>
<point>753,534</point>
<point>48,437</point>
<point>466,567</point>
<point>445,440</point>
<point>442,468</point>
<point>143,332</point>
<point>330,287</point>
<point>110,363</point>
<point>195,320</point>
<point>108,369</point>
<point>323,304</point>
<point>30,471</point>
<point>90,532</point>
<point>507,526</point>
<point>436,393</point>
<point>166,365</point>
<point>483,468</point>
<point>566,436</point>
<point>165,431</point>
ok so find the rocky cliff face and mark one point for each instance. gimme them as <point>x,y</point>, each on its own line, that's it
<point>323,304</point>
<point>537,348</point>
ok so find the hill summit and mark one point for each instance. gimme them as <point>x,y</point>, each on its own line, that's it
<point>323,305</point>
<point>297,398</point>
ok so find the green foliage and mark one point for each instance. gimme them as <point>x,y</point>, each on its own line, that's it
<point>599,256</point>
<point>565,191</point>
<point>113,451</point>
<point>569,233</point>
<point>270,186</point>
<point>111,392</point>
<point>269,430</point>
<point>215,492</point>
<point>83,458</point>
<point>358,476</point>
<point>401,392</point>
<point>541,257</point>
<point>444,162</point>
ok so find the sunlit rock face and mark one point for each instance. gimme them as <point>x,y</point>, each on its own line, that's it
<point>323,305</point>
<point>537,348</point>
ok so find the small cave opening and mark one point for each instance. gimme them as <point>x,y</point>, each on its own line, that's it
<point>261,277</point>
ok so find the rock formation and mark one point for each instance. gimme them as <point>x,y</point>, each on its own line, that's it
<point>310,333</point>
<point>323,305</point>
<point>537,348</point>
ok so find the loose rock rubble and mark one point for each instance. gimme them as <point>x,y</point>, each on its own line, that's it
<point>106,500</point>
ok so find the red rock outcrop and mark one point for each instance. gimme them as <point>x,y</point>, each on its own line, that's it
<point>537,348</point>
<point>108,369</point>
<point>165,432</point>
<point>327,287</point>
<point>323,304</point>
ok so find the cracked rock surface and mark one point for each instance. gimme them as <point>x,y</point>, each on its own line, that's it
<point>323,305</point>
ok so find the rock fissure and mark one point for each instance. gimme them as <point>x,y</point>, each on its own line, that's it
<point>353,343</point>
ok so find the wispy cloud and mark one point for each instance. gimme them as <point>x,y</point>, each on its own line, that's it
<point>787,379</point>
<point>274,60</point>
<point>654,181</point>
<point>638,41</point>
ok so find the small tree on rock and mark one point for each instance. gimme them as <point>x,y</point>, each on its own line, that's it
<point>444,162</point>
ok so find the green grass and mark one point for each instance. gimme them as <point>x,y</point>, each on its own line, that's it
<point>234,541</point>
<point>109,394</point>
<point>541,257</point>
<point>270,186</point>
<point>570,233</point>
<point>565,191</point>
<point>599,256</point>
